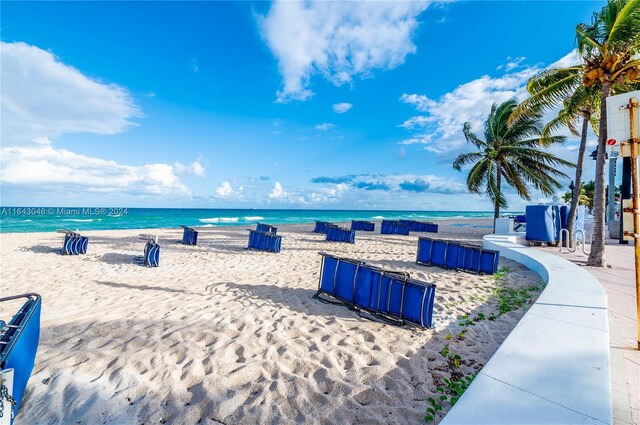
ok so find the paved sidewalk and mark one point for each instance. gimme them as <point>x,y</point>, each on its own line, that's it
<point>619,281</point>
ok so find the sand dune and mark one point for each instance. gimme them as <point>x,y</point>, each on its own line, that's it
<point>219,334</point>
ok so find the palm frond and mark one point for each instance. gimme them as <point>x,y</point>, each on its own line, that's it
<point>626,24</point>
<point>466,158</point>
<point>471,137</point>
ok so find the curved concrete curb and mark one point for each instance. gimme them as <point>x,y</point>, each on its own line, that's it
<point>553,368</point>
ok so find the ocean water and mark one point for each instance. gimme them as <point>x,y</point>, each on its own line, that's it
<point>50,219</point>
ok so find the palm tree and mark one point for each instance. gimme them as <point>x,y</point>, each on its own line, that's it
<point>582,104</point>
<point>609,46</point>
<point>511,152</point>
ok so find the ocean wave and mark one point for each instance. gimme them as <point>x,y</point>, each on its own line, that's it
<point>209,220</point>
<point>208,225</point>
<point>253,218</point>
<point>25,221</point>
<point>378,217</point>
<point>219,220</point>
<point>79,220</point>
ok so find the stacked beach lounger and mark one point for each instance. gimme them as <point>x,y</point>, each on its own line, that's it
<point>420,226</point>
<point>262,240</point>
<point>18,346</point>
<point>388,295</point>
<point>151,257</point>
<point>367,226</point>
<point>74,243</point>
<point>321,226</point>
<point>393,227</point>
<point>189,236</point>
<point>455,255</point>
<point>340,234</point>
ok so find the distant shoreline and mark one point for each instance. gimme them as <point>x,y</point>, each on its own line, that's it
<point>30,220</point>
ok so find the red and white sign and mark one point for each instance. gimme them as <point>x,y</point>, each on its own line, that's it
<point>611,142</point>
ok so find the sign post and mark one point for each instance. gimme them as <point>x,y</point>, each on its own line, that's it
<point>625,125</point>
<point>635,207</point>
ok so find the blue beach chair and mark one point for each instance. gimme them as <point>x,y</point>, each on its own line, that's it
<point>18,346</point>
<point>393,227</point>
<point>151,256</point>
<point>321,226</point>
<point>454,255</point>
<point>387,295</point>
<point>189,235</point>
<point>73,243</point>
<point>341,234</point>
<point>263,241</point>
<point>266,228</point>
<point>366,226</point>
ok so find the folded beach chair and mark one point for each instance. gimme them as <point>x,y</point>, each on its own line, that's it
<point>367,226</point>
<point>264,241</point>
<point>151,256</point>
<point>388,295</point>
<point>266,228</point>
<point>391,227</point>
<point>321,226</point>
<point>18,345</point>
<point>73,243</point>
<point>456,255</point>
<point>341,234</point>
<point>189,236</point>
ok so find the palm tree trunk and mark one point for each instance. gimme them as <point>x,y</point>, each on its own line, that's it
<point>597,257</point>
<point>578,181</point>
<point>496,205</point>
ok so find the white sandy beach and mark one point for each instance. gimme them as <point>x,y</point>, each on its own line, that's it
<point>220,334</point>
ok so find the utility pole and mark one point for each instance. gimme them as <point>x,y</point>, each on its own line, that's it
<point>634,146</point>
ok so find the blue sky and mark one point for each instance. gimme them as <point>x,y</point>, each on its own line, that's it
<point>263,104</point>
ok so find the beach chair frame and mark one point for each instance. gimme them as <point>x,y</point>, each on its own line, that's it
<point>381,285</point>
<point>18,346</point>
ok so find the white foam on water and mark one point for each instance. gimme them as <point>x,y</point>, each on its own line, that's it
<point>228,219</point>
<point>209,220</point>
<point>79,220</point>
<point>208,225</point>
<point>379,217</point>
<point>253,218</point>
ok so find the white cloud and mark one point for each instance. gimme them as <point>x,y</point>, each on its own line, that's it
<point>198,169</point>
<point>570,59</point>
<point>277,192</point>
<point>339,40</point>
<point>341,108</point>
<point>324,127</point>
<point>441,126</point>
<point>224,190</point>
<point>44,98</point>
<point>193,168</point>
<point>42,167</point>
<point>415,122</point>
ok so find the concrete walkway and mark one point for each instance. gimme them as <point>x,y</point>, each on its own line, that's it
<point>618,280</point>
